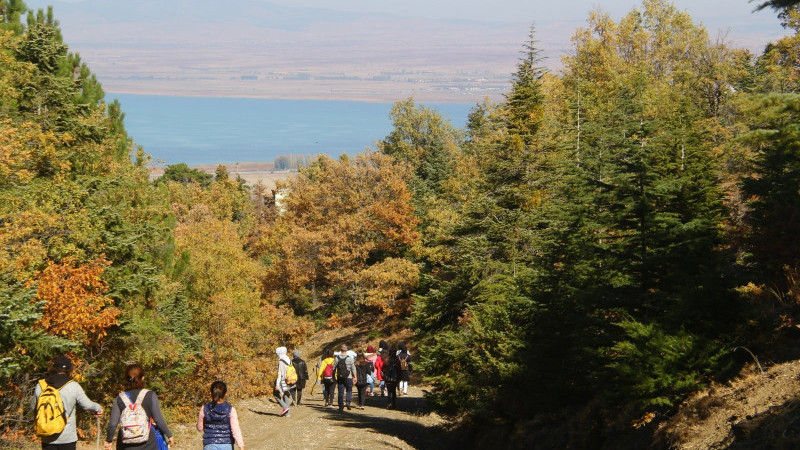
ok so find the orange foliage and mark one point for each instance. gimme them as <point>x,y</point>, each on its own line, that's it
<point>74,301</point>
<point>345,225</point>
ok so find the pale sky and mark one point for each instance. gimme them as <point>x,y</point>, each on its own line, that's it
<point>525,10</point>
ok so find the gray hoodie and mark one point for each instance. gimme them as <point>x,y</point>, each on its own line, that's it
<point>71,395</point>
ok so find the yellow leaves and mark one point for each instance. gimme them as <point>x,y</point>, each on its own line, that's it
<point>644,420</point>
<point>74,303</point>
<point>26,151</point>
<point>388,280</point>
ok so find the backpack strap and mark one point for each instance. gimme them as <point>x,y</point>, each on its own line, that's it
<point>126,399</point>
<point>43,384</point>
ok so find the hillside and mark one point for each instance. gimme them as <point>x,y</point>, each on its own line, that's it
<point>755,411</point>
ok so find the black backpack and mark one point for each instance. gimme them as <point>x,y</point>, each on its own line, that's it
<point>341,370</point>
<point>389,371</point>
<point>362,371</point>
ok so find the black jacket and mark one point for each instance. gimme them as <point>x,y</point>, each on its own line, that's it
<point>301,368</point>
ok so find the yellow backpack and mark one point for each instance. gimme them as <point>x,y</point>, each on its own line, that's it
<point>50,415</point>
<point>291,374</point>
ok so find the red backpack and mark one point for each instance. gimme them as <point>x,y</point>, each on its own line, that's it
<point>327,372</point>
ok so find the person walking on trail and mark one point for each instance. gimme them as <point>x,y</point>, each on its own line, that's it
<point>345,371</point>
<point>371,356</point>
<point>219,422</point>
<point>363,373</point>
<point>282,389</point>
<point>391,372</point>
<point>404,358</point>
<point>135,409</point>
<point>379,371</point>
<point>59,432</point>
<point>325,375</point>
<point>302,376</point>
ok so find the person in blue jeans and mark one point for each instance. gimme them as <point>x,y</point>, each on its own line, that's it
<point>345,372</point>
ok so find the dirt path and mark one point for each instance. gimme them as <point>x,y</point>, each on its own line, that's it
<point>313,426</point>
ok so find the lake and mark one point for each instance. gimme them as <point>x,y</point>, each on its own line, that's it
<point>210,130</point>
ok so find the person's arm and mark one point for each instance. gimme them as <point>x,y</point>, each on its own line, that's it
<point>235,430</point>
<point>83,401</point>
<point>37,391</point>
<point>200,418</point>
<point>155,408</point>
<point>281,374</point>
<point>116,411</point>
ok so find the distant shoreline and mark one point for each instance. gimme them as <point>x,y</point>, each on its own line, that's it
<point>252,172</point>
<point>419,98</point>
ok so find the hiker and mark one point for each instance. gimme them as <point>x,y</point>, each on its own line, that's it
<point>282,389</point>
<point>391,370</point>
<point>325,375</point>
<point>404,358</point>
<point>219,422</point>
<point>345,370</point>
<point>59,432</point>
<point>363,373</point>
<point>135,432</point>
<point>379,370</point>
<point>371,357</point>
<point>302,376</point>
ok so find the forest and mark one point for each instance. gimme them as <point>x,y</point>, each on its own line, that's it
<point>605,241</point>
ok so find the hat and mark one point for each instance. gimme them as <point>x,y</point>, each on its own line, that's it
<point>370,349</point>
<point>62,363</point>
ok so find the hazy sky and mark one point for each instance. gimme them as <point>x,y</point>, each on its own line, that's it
<point>524,10</point>
<point>498,10</point>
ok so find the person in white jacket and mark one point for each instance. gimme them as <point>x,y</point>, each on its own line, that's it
<point>72,395</point>
<point>283,390</point>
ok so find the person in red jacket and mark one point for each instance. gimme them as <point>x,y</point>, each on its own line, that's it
<point>378,376</point>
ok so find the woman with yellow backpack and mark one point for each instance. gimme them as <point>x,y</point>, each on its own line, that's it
<point>284,384</point>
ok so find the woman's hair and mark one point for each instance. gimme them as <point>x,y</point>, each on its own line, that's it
<point>218,390</point>
<point>327,353</point>
<point>134,376</point>
<point>360,359</point>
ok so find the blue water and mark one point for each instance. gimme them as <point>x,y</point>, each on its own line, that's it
<point>209,130</point>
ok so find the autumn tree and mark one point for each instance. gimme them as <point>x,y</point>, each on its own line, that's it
<point>341,238</point>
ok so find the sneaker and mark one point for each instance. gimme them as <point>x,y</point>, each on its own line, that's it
<point>348,406</point>
<point>285,412</point>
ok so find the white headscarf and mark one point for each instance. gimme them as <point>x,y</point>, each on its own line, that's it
<point>281,352</point>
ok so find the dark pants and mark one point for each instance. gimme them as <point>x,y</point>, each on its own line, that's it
<point>362,394</point>
<point>297,393</point>
<point>348,385</point>
<point>392,388</point>
<point>328,391</point>
<point>70,446</point>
